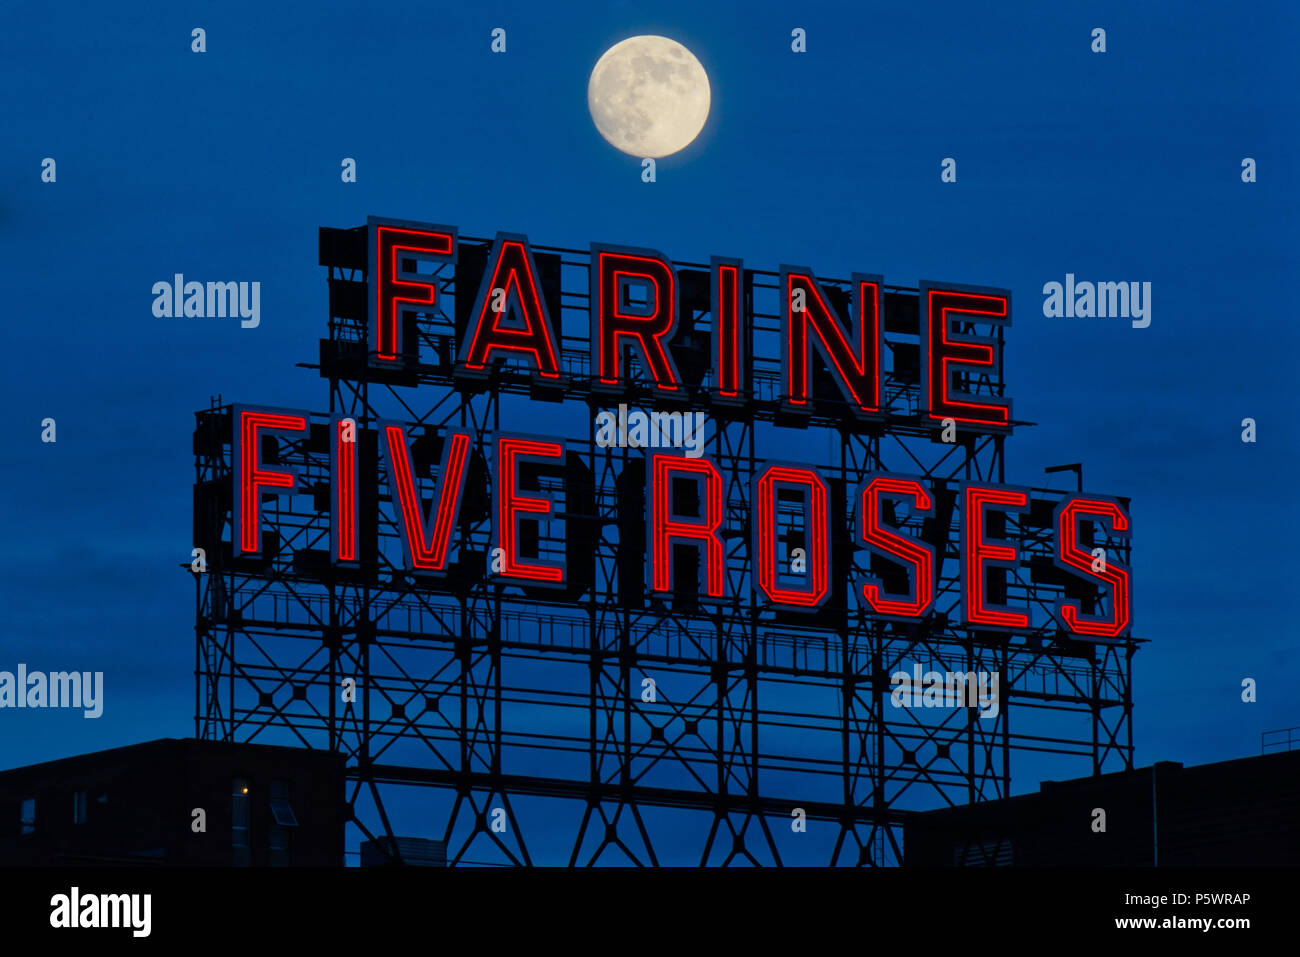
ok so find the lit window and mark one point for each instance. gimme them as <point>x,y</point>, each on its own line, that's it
<point>27,816</point>
<point>239,822</point>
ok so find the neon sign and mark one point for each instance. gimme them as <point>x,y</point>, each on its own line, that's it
<point>832,352</point>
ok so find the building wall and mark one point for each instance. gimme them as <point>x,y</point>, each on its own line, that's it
<point>138,806</point>
<point>1234,813</point>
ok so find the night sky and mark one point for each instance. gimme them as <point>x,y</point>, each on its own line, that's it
<point>1117,166</point>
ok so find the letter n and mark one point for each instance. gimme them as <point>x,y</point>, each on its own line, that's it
<point>851,355</point>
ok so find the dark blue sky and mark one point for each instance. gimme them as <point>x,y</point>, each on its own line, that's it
<point>1116,166</point>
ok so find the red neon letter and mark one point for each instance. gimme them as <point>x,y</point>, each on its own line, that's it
<point>423,553</point>
<point>666,524</point>
<point>856,368</point>
<point>728,359</point>
<point>615,323</point>
<point>906,550</point>
<point>253,478</point>
<point>513,275</point>
<point>978,551</point>
<point>510,503</point>
<point>343,525</point>
<point>943,351</point>
<point>1069,555</point>
<point>816,537</point>
<point>389,243</point>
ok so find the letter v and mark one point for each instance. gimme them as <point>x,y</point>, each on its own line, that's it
<point>425,552</point>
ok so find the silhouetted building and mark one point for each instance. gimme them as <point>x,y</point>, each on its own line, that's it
<point>1234,813</point>
<point>261,805</point>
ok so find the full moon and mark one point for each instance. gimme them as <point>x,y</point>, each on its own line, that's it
<point>648,96</point>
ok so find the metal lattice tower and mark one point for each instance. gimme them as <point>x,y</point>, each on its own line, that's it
<point>485,696</point>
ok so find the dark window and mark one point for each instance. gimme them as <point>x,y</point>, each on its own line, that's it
<point>282,818</point>
<point>27,816</point>
<point>79,807</point>
<point>281,809</point>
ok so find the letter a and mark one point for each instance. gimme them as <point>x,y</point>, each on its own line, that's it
<point>59,915</point>
<point>1052,305</point>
